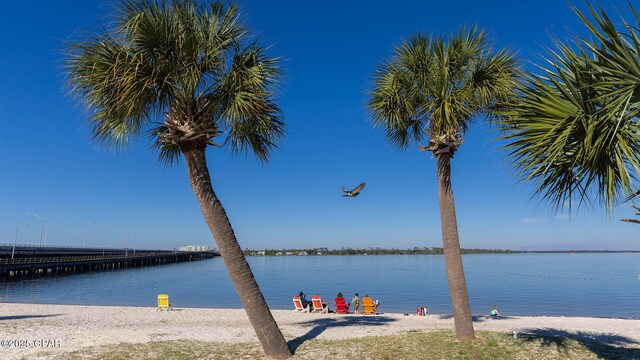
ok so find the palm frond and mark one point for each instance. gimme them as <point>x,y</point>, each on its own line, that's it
<point>168,153</point>
<point>395,104</point>
<point>250,113</point>
<point>574,131</point>
<point>258,134</point>
<point>110,79</point>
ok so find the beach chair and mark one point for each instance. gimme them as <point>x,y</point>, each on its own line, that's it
<point>368,306</point>
<point>163,302</point>
<point>297,302</point>
<point>319,305</point>
<point>342,306</point>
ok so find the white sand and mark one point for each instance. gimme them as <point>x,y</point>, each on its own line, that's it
<point>75,327</point>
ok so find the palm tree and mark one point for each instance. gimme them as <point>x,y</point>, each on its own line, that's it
<point>432,89</point>
<point>574,129</point>
<point>186,73</point>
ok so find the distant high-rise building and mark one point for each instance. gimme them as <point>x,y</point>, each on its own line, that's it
<point>194,248</point>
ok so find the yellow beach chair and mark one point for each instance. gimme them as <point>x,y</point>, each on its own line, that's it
<point>163,302</point>
<point>368,306</point>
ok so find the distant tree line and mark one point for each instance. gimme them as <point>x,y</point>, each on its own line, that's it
<point>411,251</point>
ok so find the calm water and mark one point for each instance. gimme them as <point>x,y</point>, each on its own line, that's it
<point>602,285</point>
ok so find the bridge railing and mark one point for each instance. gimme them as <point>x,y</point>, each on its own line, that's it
<point>77,247</point>
<point>73,259</point>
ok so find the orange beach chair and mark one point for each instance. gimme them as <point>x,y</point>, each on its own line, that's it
<point>368,306</point>
<point>319,305</point>
<point>298,304</point>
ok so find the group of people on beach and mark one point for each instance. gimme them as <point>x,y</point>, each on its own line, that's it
<point>355,301</point>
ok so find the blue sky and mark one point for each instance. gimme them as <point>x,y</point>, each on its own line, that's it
<point>49,166</point>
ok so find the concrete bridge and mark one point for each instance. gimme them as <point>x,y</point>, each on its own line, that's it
<point>38,260</point>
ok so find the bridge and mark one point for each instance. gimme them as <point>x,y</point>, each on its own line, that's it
<point>22,260</point>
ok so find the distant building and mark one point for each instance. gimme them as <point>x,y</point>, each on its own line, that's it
<point>194,248</point>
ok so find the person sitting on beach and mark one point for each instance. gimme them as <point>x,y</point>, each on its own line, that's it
<point>356,303</point>
<point>303,300</point>
<point>494,311</point>
<point>368,305</point>
<point>325,305</point>
<point>341,304</point>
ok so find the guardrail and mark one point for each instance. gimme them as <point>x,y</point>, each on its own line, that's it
<point>75,247</point>
<point>72,259</point>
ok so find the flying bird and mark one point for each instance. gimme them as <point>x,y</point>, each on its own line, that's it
<point>354,192</point>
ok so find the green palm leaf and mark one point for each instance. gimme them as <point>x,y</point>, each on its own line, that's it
<point>574,131</point>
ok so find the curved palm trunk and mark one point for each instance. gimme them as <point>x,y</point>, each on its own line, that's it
<point>452,256</point>
<point>260,316</point>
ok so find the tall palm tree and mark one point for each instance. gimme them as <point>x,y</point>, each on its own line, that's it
<point>431,90</point>
<point>186,73</point>
<point>574,130</point>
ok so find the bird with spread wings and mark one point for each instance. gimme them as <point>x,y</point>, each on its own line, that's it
<point>354,192</point>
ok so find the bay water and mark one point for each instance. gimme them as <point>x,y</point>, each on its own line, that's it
<point>561,284</point>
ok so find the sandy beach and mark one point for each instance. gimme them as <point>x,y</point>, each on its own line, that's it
<point>56,329</point>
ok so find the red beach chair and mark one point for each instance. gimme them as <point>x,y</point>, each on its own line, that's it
<point>342,306</point>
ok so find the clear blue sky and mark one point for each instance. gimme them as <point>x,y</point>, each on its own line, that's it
<point>49,166</point>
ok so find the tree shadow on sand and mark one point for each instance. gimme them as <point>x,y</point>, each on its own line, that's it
<point>476,318</point>
<point>324,323</point>
<point>20,317</point>
<point>605,346</point>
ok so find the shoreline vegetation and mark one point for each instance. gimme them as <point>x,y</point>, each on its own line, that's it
<point>413,251</point>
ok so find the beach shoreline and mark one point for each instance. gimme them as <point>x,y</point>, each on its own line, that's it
<point>58,329</point>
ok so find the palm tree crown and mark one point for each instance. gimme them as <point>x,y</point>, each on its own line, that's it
<point>193,64</point>
<point>435,87</point>
<point>574,131</point>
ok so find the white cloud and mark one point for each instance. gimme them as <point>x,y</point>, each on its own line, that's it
<point>562,217</point>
